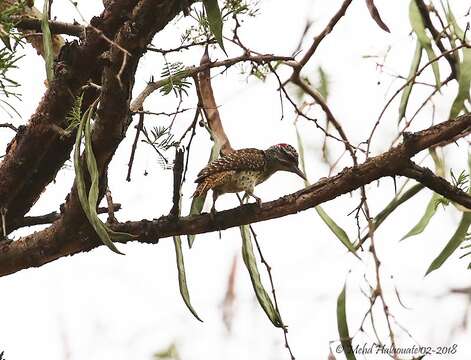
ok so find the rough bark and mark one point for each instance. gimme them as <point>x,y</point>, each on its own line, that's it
<point>44,246</point>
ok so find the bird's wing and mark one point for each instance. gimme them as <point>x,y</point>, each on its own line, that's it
<point>243,159</point>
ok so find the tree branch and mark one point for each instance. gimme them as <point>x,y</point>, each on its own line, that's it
<point>57,27</point>
<point>195,70</point>
<point>436,183</point>
<point>42,247</point>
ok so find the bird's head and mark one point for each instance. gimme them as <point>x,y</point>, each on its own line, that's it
<point>284,157</point>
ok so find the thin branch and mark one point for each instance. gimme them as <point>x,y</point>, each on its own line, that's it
<point>194,70</point>
<point>51,217</point>
<point>9,126</point>
<point>134,145</point>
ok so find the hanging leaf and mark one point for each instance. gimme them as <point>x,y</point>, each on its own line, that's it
<point>89,201</point>
<point>342,326</point>
<point>452,244</point>
<point>464,70</point>
<point>215,20</point>
<point>260,292</point>
<point>408,89</point>
<point>432,205</point>
<point>457,237</point>
<point>97,224</point>
<point>336,229</point>
<point>332,225</point>
<point>47,42</point>
<point>375,15</point>
<point>198,202</point>
<point>394,204</point>
<point>323,83</point>
<point>182,276</point>
<point>419,28</point>
<point>430,210</point>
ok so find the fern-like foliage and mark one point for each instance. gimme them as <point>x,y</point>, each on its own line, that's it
<point>74,116</point>
<point>161,140</point>
<point>175,74</point>
<point>461,181</point>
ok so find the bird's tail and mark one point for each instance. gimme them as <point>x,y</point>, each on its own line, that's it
<point>201,189</point>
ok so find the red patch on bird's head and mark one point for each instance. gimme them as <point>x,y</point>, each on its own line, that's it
<point>282,145</point>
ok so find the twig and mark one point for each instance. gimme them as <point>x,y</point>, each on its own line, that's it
<point>109,201</point>
<point>9,126</point>
<point>134,145</point>
<point>194,70</point>
<point>177,181</point>
<point>181,47</point>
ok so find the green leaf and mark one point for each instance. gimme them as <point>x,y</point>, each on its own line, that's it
<point>408,89</point>
<point>93,194</point>
<point>342,326</point>
<point>452,244</point>
<point>215,20</point>
<point>331,224</point>
<point>198,202</point>
<point>464,84</point>
<point>398,200</point>
<point>182,276</point>
<point>260,292</point>
<point>323,83</point>
<point>432,205</point>
<point>418,26</point>
<point>457,237</point>
<point>47,42</point>
<point>430,210</point>
<point>89,201</point>
<point>337,230</point>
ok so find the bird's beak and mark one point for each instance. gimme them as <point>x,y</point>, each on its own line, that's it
<point>298,171</point>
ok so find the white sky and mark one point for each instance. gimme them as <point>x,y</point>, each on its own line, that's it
<point>98,305</point>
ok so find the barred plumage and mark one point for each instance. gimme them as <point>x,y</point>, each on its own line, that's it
<point>242,170</point>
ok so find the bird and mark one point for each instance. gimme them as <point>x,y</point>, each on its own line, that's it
<point>241,170</point>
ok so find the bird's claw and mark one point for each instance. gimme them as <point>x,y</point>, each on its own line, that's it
<point>212,214</point>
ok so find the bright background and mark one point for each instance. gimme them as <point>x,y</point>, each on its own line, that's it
<point>98,305</point>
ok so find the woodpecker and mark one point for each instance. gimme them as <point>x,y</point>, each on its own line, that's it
<point>242,170</point>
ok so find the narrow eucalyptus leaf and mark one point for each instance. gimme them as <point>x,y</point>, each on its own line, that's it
<point>182,276</point>
<point>408,89</point>
<point>331,224</point>
<point>430,210</point>
<point>342,326</point>
<point>47,42</point>
<point>457,237</point>
<point>452,244</point>
<point>198,202</point>
<point>418,26</point>
<point>432,205</point>
<point>93,194</point>
<point>215,20</point>
<point>464,84</point>
<point>394,204</point>
<point>251,265</point>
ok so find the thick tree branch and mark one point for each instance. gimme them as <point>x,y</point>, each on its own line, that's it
<point>38,152</point>
<point>57,27</point>
<point>42,247</point>
<point>436,183</point>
